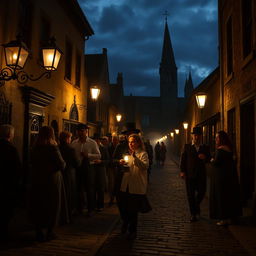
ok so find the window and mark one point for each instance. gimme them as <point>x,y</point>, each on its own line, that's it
<point>68,60</point>
<point>78,69</point>
<point>229,46</point>
<point>247,27</point>
<point>74,112</point>
<point>232,127</point>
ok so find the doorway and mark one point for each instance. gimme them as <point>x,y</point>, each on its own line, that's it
<point>247,142</point>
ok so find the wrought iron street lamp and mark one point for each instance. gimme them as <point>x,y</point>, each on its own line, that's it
<point>172,134</point>
<point>95,92</point>
<point>177,131</point>
<point>118,117</point>
<point>16,54</point>
<point>201,99</point>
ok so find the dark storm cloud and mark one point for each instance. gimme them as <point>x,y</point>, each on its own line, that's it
<point>132,31</point>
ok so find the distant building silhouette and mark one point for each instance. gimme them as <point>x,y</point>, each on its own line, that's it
<point>160,114</point>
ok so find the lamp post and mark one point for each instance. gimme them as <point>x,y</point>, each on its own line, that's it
<point>95,92</point>
<point>185,126</point>
<point>16,54</point>
<point>201,99</point>
<point>177,131</point>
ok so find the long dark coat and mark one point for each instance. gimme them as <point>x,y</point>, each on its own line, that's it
<point>190,163</point>
<point>224,188</point>
<point>69,175</point>
<point>10,177</point>
<point>47,186</point>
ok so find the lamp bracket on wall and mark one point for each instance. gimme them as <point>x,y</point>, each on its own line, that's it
<point>7,74</point>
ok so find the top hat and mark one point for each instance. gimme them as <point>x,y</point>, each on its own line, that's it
<point>130,128</point>
<point>82,127</point>
<point>197,130</point>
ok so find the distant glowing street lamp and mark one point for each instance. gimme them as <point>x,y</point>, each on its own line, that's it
<point>95,92</point>
<point>185,125</point>
<point>118,117</point>
<point>172,134</point>
<point>201,99</point>
<point>177,131</point>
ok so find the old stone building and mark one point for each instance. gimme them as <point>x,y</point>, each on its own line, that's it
<point>231,94</point>
<point>237,37</point>
<point>60,101</point>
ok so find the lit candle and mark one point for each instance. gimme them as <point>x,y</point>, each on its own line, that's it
<point>126,158</point>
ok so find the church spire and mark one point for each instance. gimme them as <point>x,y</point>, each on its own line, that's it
<point>189,87</point>
<point>167,51</point>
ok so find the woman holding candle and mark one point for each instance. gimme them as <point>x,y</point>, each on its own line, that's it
<point>132,198</point>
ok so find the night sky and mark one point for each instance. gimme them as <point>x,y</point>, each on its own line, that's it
<point>132,31</point>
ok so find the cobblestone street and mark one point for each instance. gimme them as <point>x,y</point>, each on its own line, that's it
<point>164,231</point>
<point>167,230</point>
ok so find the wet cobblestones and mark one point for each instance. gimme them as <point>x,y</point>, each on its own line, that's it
<point>167,230</point>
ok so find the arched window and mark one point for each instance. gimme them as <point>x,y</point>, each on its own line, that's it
<point>74,112</point>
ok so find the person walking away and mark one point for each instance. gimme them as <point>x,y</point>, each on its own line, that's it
<point>69,173</point>
<point>224,202</point>
<point>192,166</point>
<point>162,153</point>
<point>157,153</point>
<point>132,195</point>
<point>47,186</point>
<point>10,178</point>
<point>87,151</point>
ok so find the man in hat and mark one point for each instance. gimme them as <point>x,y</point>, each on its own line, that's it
<point>192,165</point>
<point>87,152</point>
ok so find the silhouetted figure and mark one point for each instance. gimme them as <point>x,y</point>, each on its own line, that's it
<point>69,173</point>
<point>192,165</point>
<point>10,177</point>
<point>162,153</point>
<point>224,190</point>
<point>47,186</point>
<point>158,153</point>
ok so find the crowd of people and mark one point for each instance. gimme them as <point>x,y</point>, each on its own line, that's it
<point>68,176</point>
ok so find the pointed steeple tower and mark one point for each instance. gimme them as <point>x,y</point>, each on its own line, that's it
<point>168,80</point>
<point>168,68</point>
<point>167,51</point>
<point>189,87</point>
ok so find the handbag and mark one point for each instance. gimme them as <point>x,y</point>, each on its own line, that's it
<point>145,205</point>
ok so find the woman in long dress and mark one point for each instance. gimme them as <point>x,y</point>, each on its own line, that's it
<point>47,187</point>
<point>224,188</point>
